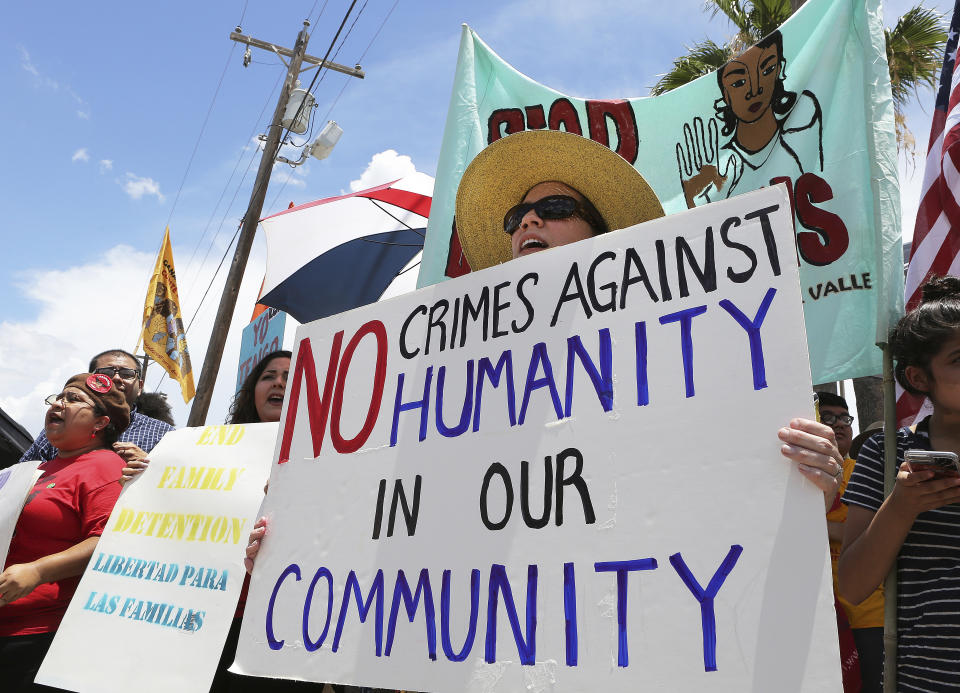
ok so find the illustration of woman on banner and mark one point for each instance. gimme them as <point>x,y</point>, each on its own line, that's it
<point>764,121</point>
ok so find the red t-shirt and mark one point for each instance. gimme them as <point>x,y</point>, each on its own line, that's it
<point>69,503</point>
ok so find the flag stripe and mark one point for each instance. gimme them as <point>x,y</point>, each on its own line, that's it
<point>936,235</point>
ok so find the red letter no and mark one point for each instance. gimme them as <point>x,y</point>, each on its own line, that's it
<point>318,408</point>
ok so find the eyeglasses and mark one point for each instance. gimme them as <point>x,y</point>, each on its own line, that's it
<point>552,207</point>
<point>124,373</point>
<point>69,397</point>
<point>831,419</point>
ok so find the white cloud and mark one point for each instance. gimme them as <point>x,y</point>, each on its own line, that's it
<point>80,155</point>
<point>384,167</point>
<point>136,186</point>
<point>284,175</point>
<point>87,308</point>
<point>43,81</point>
<point>27,64</point>
<point>106,165</point>
<point>81,312</point>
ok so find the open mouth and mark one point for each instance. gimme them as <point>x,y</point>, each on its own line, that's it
<point>53,418</point>
<point>532,244</point>
<point>276,400</point>
<point>755,107</point>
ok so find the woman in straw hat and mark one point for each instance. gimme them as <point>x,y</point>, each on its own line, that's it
<point>539,189</point>
<point>61,522</point>
<point>536,190</point>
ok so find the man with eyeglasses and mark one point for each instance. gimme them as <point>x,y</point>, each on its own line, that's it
<point>143,433</point>
<point>866,618</point>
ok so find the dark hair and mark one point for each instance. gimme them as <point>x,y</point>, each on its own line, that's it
<point>109,433</point>
<point>243,409</point>
<point>115,352</point>
<point>920,334</point>
<point>782,100</point>
<point>831,400</point>
<point>156,406</point>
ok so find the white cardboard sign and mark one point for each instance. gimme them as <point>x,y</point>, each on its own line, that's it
<point>559,474</point>
<point>154,606</point>
<point>15,483</point>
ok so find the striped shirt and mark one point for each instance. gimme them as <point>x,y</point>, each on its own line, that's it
<point>144,432</point>
<point>928,572</point>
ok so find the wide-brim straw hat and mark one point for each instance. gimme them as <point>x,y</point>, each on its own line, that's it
<point>500,175</point>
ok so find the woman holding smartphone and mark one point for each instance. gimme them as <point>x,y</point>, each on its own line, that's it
<point>918,525</point>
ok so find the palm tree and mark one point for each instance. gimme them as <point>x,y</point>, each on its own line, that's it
<point>914,52</point>
<point>914,49</point>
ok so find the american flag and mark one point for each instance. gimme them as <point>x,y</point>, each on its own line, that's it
<point>936,237</point>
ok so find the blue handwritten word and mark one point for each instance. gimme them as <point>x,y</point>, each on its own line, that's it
<point>554,384</point>
<point>522,618</point>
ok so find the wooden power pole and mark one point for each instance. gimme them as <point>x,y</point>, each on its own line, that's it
<point>211,362</point>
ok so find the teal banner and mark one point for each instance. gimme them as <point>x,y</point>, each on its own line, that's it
<point>809,106</point>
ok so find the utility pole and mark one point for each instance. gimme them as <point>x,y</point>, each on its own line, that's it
<point>211,362</point>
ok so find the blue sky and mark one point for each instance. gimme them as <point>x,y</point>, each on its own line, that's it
<point>103,107</point>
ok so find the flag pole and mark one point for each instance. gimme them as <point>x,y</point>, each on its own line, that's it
<point>889,479</point>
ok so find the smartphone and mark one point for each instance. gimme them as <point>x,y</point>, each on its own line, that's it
<point>942,463</point>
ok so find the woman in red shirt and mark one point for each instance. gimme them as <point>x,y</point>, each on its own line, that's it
<point>61,522</point>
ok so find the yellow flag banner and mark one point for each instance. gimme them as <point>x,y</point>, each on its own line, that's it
<point>164,339</point>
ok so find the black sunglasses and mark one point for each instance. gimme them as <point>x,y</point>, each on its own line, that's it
<point>552,207</point>
<point>124,373</point>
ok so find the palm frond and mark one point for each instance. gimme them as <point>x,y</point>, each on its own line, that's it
<point>914,48</point>
<point>766,16</point>
<point>915,52</point>
<point>736,13</point>
<point>701,59</point>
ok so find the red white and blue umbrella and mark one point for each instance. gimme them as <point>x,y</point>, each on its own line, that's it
<point>331,255</point>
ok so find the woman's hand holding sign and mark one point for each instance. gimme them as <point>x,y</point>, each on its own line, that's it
<point>253,543</point>
<point>813,446</point>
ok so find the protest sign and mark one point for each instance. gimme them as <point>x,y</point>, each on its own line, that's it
<point>561,473</point>
<point>154,606</point>
<point>15,483</point>
<point>826,98</point>
<point>262,336</point>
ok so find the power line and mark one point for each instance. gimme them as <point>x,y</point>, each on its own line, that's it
<point>202,298</point>
<point>206,228</point>
<point>363,55</point>
<point>309,16</point>
<point>283,135</point>
<point>282,139</point>
<point>344,87</point>
<point>213,100</point>
<point>196,146</point>
<point>396,2</point>
<point>203,127</point>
